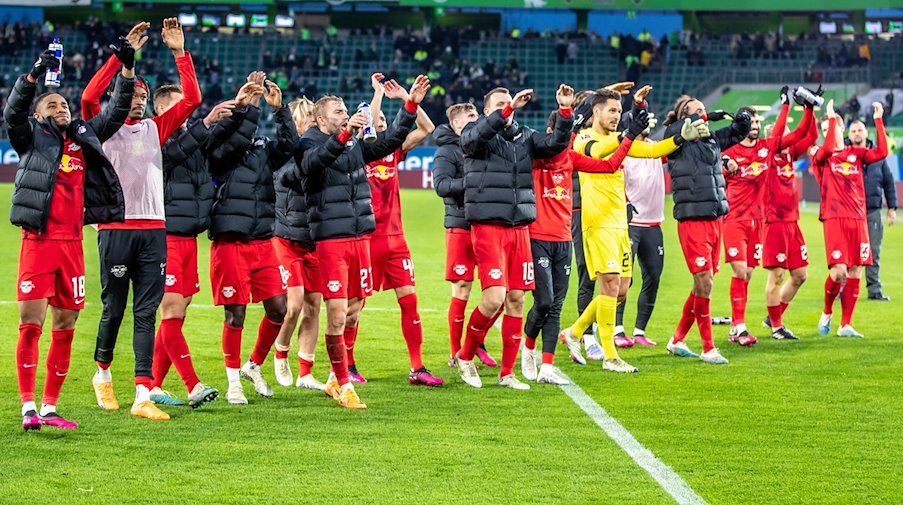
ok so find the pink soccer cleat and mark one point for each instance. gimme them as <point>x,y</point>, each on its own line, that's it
<point>425,378</point>
<point>356,377</point>
<point>31,421</point>
<point>485,358</point>
<point>55,421</point>
<point>643,341</point>
<point>622,341</point>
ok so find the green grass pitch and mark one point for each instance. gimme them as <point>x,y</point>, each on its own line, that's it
<point>815,421</point>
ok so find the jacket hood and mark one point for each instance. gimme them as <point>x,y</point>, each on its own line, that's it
<point>444,135</point>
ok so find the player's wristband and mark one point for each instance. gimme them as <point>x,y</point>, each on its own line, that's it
<point>345,136</point>
<point>566,112</point>
<point>507,112</point>
<point>411,106</point>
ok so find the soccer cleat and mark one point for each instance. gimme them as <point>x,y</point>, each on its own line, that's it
<point>469,375</point>
<point>283,372</point>
<point>746,340</point>
<point>200,395</point>
<point>309,382</point>
<point>528,363</point>
<point>236,395</point>
<point>161,397</point>
<point>31,421</point>
<point>622,341</point>
<point>767,323</point>
<point>680,350</point>
<point>106,398</point>
<point>618,365</point>
<point>734,335</point>
<point>848,331</point>
<point>824,324</point>
<point>252,373</point>
<point>511,382</point>
<point>425,378</point>
<point>550,375</point>
<point>55,421</point>
<point>356,377</point>
<point>567,338</point>
<point>350,400</point>
<point>595,352</point>
<point>643,341</point>
<point>148,410</point>
<point>485,358</point>
<point>713,357</point>
<point>453,362</point>
<point>783,333</point>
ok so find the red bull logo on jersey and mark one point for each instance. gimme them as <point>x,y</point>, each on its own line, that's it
<point>557,193</point>
<point>846,168</point>
<point>69,164</point>
<point>754,169</point>
<point>382,172</point>
<point>786,170</point>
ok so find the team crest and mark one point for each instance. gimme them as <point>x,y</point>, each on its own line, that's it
<point>74,148</point>
<point>390,158</point>
<point>495,274</point>
<point>544,262</point>
<point>700,261</point>
<point>851,158</point>
<point>229,291</point>
<point>781,257</point>
<point>81,130</point>
<point>26,287</point>
<point>612,264</point>
<point>170,280</point>
<point>460,269</point>
<point>334,286</point>
<point>119,271</point>
<point>836,254</point>
<point>733,252</point>
<point>763,153</point>
<point>557,178</point>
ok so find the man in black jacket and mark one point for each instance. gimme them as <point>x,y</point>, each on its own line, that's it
<point>341,216</point>
<point>243,263</point>
<point>879,186</point>
<point>700,202</point>
<point>499,203</point>
<point>64,181</point>
<point>448,179</point>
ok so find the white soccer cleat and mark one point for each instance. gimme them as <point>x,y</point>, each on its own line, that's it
<point>567,338</point>
<point>680,349</point>
<point>511,382</point>
<point>236,395</point>
<point>253,374</point>
<point>618,365</point>
<point>283,372</point>
<point>469,375</point>
<point>848,331</point>
<point>528,363</point>
<point>548,374</point>
<point>713,357</point>
<point>824,324</point>
<point>309,382</point>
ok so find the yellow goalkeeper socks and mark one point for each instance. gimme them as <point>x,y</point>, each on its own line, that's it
<point>606,309</point>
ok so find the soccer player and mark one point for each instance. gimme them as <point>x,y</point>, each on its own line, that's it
<point>297,254</point>
<point>784,245</point>
<point>448,179</point>
<point>64,181</point>
<point>697,182</point>
<point>499,203</point>
<point>839,169</point>
<point>243,263</point>
<point>393,267</point>
<point>188,198</point>
<point>134,252</point>
<point>744,225</point>
<point>341,217</point>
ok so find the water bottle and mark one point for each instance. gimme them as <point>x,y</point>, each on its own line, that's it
<point>52,77</point>
<point>809,96</point>
<point>369,130</point>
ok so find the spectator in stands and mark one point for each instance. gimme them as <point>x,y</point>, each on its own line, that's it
<point>572,52</point>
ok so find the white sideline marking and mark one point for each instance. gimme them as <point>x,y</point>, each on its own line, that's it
<point>666,477</point>
<point>208,307</point>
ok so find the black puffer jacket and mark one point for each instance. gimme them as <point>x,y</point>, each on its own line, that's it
<point>242,169</point>
<point>188,190</point>
<point>498,168</point>
<point>338,194</point>
<point>578,203</point>
<point>40,148</point>
<point>292,222</point>
<point>448,176</point>
<point>697,174</point>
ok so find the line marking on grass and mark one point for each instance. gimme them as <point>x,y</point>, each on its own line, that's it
<point>666,477</point>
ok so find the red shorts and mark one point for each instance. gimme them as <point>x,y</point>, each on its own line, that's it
<point>53,269</point>
<point>504,257</point>
<point>392,263</point>
<point>300,262</point>
<point>701,243</point>
<point>847,242</point>
<point>345,270</point>
<point>459,259</point>
<point>785,246</point>
<point>743,241</point>
<point>245,272</point>
<point>182,265</point>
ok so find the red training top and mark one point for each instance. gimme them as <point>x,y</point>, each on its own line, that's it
<point>383,178</point>
<point>782,199</point>
<point>67,207</point>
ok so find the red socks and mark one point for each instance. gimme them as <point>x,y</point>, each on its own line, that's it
<point>147,382</point>
<point>27,359</point>
<point>232,345</point>
<point>492,321</point>
<point>739,296</point>
<point>281,354</point>
<point>530,343</point>
<point>703,310</point>
<point>412,329</point>
<point>512,332</point>
<point>477,327</point>
<point>304,367</point>
<point>177,350</point>
<point>161,359</point>
<point>848,300</point>
<point>335,347</point>
<point>776,316</point>
<point>548,358</point>
<point>686,320</point>
<point>57,364</point>
<point>349,338</point>
<point>456,320</point>
<point>832,289</point>
<point>266,337</point>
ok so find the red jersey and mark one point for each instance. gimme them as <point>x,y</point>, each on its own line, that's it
<point>67,207</point>
<point>383,178</point>
<point>782,187</point>
<point>744,188</point>
<point>554,186</point>
<point>842,181</point>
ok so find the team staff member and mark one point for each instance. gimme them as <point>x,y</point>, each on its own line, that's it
<point>135,251</point>
<point>499,203</point>
<point>64,181</point>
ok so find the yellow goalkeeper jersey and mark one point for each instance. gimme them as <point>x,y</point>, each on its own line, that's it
<point>603,195</point>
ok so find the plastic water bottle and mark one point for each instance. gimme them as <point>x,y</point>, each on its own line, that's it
<point>52,77</point>
<point>809,96</point>
<point>369,130</point>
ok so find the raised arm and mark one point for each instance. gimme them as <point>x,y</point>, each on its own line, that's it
<point>116,111</point>
<point>281,150</point>
<point>822,155</point>
<point>175,117</point>
<point>547,145</point>
<point>810,125</point>
<point>425,128</point>
<point>879,153</point>
<point>183,144</point>
<point>222,158</point>
<point>97,86</point>
<point>376,103</point>
<point>736,132</point>
<point>393,138</point>
<point>477,135</point>
<point>15,113</point>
